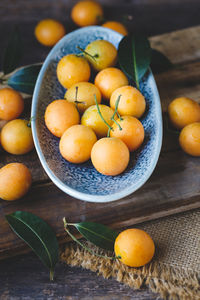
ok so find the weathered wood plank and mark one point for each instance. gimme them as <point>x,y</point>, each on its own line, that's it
<point>180,46</point>
<point>173,187</point>
<point>26,278</point>
<point>180,81</point>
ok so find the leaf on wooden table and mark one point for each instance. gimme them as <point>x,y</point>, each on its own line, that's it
<point>24,79</point>
<point>159,62</point>
<point>13,52</point>
<point>38,235</point>
<point>134,55</point>
<point>98,234</point>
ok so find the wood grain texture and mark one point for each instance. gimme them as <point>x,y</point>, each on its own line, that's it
<point>173,187</point>
<point>24,277</point>
<point>27,279</point>
<point>181,46</point>
<point>182,80</point>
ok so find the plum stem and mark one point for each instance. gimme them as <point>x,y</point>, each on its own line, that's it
<point>86,53</point>
<point>30,120</point>
<point>116,112</point>
<point>99,112</point>
<point>82,245</point>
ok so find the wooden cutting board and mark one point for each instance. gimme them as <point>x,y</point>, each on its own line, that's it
<point>174,186</point>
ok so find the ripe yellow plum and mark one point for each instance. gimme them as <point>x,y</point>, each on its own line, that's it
<point>92,119</point>
<point>189,139</point>
<point>16,137</point>
<point>60,115</point>
<point>48,32</point>
<point>11,104</point>
<point>83,92</point>
<point>183,111</point>
<point>135,247</point>
<point>15,181</point>
<point>76,143</point>
<point>131,133</point>
<point>117,26</point>
<point>72,69</point>
<point>101,54</point>
<point>86,13</point>
<point>108,80</point>
<point>132,102</point>
<point>110,156</point>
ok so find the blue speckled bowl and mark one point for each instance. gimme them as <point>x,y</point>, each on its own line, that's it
<point>83,181</point>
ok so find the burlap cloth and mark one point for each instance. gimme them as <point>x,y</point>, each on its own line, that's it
<point>174,272</point>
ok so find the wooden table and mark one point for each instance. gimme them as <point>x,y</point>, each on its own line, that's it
<point>24,276</point>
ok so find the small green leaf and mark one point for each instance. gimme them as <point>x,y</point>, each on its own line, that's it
<point>134,55</point>
<point>24,79</point>
<point>13,52</point>
<point>38,235</point>
<point>160,63</point>
<point>98,234</point>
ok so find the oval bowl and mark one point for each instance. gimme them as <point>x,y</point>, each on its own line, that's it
<point>83,181</point>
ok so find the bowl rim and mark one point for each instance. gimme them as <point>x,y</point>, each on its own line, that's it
<point>68,190</point>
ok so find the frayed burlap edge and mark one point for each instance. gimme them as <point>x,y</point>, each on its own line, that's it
<point>170,282</point>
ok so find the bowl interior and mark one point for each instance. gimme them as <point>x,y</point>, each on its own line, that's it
<point>82,180</point>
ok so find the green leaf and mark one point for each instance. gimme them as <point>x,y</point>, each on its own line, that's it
<point>24,79</point>
<point>160,63</point>
<point>134,55</point>
<point>38,235</point>
<point>13,52</point>
<point>98,234</point>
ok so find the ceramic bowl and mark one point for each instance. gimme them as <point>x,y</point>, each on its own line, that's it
<point>82,181</point>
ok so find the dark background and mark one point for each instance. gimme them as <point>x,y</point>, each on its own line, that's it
<point>24,277</point>
<point>150,17</point>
